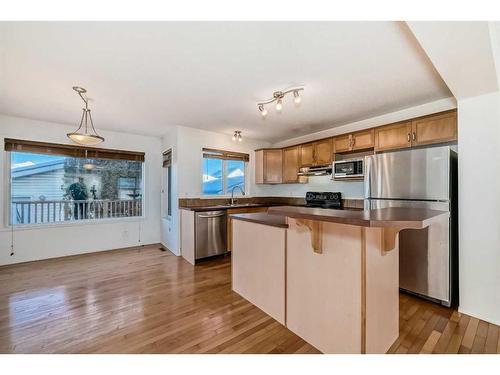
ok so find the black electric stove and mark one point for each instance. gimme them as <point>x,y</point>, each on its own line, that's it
<point>324,199</point>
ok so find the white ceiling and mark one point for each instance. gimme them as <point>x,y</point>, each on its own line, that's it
<point>145,76</point>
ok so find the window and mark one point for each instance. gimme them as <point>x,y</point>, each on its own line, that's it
<point>167,164</point>
<point>53,183</point>
<point>223,171</point>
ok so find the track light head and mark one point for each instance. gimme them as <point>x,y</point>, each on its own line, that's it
<point>279,105</point>
<point>237,136</point>
<point>296,97</point>
<point>262,110</point>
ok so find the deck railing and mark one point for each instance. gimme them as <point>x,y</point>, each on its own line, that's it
<point>52,211</point>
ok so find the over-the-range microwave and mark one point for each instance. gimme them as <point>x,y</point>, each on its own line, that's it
<point>348,169</point>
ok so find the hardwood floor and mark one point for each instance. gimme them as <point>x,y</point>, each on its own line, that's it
<point>144,300</point>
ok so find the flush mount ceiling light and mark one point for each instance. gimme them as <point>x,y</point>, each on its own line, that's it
<point>278,98</point>
<point>237,136</point>
<point>86,133</point>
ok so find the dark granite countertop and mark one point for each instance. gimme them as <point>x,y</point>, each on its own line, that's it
<point>262,218</point>
<point>228,207</point>
<point>385,217</point>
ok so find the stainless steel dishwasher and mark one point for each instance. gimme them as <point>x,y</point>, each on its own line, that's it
<point>210,233</point>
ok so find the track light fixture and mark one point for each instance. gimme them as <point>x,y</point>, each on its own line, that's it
<point>278,98</point>
<point>237,136</point>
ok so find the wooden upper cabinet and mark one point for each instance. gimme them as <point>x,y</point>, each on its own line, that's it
<point>269,166</point>
<point>316,153</point>
<point>394,136</point>
<point>363,140</point>
<point>306,154</point>
<point>323,152</point>
<point>291,165</point>
<point>435,129</point>
<point>342,143</point>
<point>356,141</point>
<point>273,166</point>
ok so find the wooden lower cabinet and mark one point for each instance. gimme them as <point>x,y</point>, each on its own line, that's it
<point>394,136</point>
<point>242,210</point>
<point>435,129</point>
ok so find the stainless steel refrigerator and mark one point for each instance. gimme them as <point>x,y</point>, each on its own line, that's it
<point>427,178</point>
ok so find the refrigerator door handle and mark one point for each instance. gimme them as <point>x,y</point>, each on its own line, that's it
<point>367,179</point>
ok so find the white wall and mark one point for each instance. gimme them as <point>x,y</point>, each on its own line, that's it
<point>69,238</point>
<point>187,145</point>
<point>479,206</point>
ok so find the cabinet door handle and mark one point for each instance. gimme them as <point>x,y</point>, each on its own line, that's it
<point>408,137</point>
<point>414,136</point>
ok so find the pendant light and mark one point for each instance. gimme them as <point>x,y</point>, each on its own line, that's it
<point>85,134</point>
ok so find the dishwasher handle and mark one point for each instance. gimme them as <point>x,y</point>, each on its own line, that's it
<point>211,216</point>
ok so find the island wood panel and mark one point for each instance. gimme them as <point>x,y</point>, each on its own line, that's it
<point>176,308</point>
<point>435,129</point>
<point>240,210</point>
<point>187,236</point>
<point>306,152</point>
<point>317,282</point>
<point>258,266</point>
<point>382,293</point>
<point>394,136</point>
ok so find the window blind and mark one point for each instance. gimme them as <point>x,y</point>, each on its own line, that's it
<point>167,159</point>
<point>225,155</point>
<point>71,150</point>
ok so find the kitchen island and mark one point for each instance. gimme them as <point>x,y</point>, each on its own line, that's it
<point>331,276</point>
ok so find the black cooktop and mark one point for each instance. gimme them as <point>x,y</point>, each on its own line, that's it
<point>324,199</point>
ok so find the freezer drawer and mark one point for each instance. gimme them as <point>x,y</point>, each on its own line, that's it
<point>210,233</point>
<point>424,254</point>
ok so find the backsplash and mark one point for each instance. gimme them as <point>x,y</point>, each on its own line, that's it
<point>349,189</point>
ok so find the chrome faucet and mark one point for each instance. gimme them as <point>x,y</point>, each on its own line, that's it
<point>232,193</point>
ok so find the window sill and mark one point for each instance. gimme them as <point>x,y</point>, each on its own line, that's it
<point>73,223</point>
